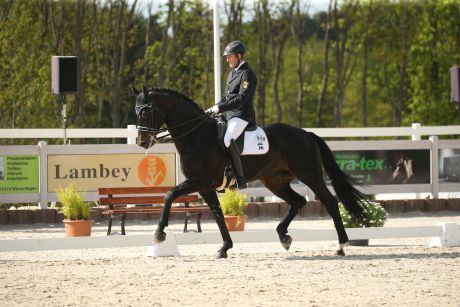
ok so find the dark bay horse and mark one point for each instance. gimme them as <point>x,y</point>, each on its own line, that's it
<point>294,153</point>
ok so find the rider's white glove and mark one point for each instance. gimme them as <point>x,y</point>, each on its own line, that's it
<point>214,109</point>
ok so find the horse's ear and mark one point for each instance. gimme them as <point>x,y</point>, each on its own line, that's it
<point>134,90</point>
<point>144,91</point>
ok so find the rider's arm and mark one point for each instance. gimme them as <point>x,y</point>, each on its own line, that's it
<point>247,89</point>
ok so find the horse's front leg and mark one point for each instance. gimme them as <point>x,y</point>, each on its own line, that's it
<point>213,202</point>
<point>184,188</point>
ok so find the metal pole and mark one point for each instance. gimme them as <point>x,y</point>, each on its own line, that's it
<point>216,30</point>
<point>64,117</point>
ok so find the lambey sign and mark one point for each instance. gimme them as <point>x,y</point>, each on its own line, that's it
<point>90,172</point>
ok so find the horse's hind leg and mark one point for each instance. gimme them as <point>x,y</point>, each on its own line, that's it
<point>330,202</point>
<point>284,191</point>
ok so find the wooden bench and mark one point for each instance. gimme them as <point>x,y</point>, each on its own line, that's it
<point>116,200</point>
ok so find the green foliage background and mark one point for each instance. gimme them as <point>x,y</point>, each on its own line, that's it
<point>411,46</point>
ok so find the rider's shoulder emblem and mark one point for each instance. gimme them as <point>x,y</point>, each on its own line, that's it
<point>245,84</point>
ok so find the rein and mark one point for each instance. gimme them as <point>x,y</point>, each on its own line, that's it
<point>156,138</point>
<point>154,132</point>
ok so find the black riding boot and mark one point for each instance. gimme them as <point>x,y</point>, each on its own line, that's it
<point>238,169</point>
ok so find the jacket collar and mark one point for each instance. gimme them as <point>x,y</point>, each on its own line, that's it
<point>239,66</point>
<point>238,70</point>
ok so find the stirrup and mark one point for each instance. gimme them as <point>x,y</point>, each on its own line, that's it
<point>239,184</point>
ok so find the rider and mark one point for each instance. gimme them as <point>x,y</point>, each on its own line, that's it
<point>236,104</point>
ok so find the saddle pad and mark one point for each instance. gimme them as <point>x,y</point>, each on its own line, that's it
<point>255,142</point>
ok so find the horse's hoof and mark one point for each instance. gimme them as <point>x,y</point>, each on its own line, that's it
<point>340,252</point>
<point>159,237</point>
<point>221,254</point>
<point>286,242</point>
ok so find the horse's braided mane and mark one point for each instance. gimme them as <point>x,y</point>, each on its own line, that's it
<point>176,93</point>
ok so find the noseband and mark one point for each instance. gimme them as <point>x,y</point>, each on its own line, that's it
<point>152,132</point>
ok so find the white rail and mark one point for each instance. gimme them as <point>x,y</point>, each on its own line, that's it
<point>130,133</point>
<point>416,131</point>
<point>443,234</point>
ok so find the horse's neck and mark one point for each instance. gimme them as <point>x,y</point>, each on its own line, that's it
<point>178,115</point>
<point>182,120</point>
<point>191,130</point>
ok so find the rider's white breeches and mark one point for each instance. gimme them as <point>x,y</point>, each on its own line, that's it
<point>235,127</point>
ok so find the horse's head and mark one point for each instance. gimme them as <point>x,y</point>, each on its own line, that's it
<point>150,118</point>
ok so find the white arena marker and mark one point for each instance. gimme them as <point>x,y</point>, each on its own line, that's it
<point>167,248</point>
<point>450,235</point>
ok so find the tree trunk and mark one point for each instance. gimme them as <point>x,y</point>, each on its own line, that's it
<point>327,45</point>
<point>261,83</point>
<point>124,47</point>
<point>58,26</point>
<point>78,105</point>
<point>177,45</point>
<point>296,28</point>
<point>147,41</point>
<point>364,84</point>
<point>277,64</point>
<point>344,65</point>
<point>164,44</point>
<point>404,63</point>
<point>366,46</point>
<point>234,12</point>
<point>207,71</point>
<point>121,40</point>
<point>338,91</point>
<point>277,48</point>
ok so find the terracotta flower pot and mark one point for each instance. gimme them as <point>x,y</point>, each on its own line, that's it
<point>235,222</point>
<point>77,228</point>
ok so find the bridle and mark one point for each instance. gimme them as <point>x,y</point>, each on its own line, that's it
<point>154,132</point>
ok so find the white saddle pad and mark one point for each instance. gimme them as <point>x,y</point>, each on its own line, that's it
<point>255,142</point>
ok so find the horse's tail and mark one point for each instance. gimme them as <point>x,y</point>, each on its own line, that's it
<point>342,183</point>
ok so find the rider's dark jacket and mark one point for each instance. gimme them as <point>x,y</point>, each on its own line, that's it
<point>237,100</point>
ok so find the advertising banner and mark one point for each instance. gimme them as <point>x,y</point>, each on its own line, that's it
<point>379,167</point>
<point>90,172</point>
<point>449,165</point>
<point>19,174</point>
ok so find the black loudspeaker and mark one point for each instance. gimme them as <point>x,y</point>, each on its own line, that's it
<point>64,74</point>
<point>455,84</point>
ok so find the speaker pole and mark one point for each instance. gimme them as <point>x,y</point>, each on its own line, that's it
<point>64,117</point>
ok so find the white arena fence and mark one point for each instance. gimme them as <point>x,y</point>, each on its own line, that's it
<point>442,235</point>
<point>433,144</point>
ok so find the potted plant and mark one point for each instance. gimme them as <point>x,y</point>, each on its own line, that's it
<point>233,204</point>
<point>375,216</point>
<point>76,212</point>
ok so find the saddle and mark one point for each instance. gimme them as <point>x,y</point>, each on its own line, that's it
<point>253,141</point>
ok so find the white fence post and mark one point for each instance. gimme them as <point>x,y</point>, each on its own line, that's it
<point>434,167</point>
<point>416,132</point>
<point>43,152</point>
<point>132,134</point>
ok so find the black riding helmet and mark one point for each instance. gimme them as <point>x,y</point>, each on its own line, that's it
<point>235,47</point>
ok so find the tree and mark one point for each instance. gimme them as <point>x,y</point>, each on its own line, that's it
<point>278,36</point>
<point>325,78</point>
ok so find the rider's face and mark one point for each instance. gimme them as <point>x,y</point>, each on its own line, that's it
<point>233,60</point>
